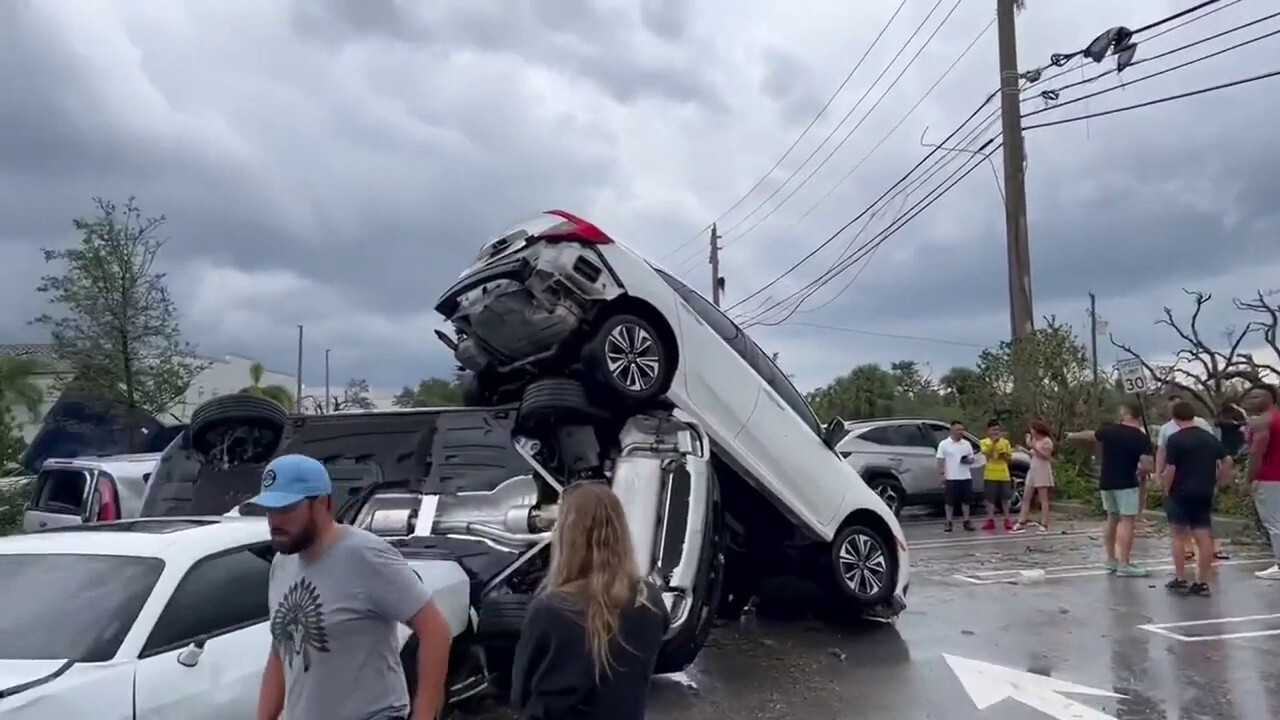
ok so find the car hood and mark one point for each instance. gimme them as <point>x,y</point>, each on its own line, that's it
<point>14,674</point>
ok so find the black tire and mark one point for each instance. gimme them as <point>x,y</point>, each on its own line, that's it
<point>501,618</point>
<point>890,491</point>
<point>860,548</point>
<point>553,402</point>
<point>237,410</point>
<point>648,364</point>
<point>1018,486</point>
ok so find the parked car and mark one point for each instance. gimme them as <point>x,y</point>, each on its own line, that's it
<point>457,485</point>
<point>88,489</point>
<point>897,458</point>
<point>151,619</point>
<point>581,331</point>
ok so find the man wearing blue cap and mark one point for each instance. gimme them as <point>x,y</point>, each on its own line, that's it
<point>337,594</point>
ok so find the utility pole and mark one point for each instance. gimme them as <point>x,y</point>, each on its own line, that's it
<point>1021,314</point>
<point>715,265</point>
<point>298,390</point>
<point>326,380</point>
<point>1093,344</point>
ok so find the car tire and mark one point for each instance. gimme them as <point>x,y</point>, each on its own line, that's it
<point>863,566</point>
<point>890,491</point>
<point>642,364</point>
<point>553,402</point>
<point>238,410</point>
<point>1018,486</point>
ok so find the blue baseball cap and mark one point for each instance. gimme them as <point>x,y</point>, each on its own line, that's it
<point>290,479</point>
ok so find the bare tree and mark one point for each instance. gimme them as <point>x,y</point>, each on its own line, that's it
<point>1212,377</point>
<point>1266,328</point>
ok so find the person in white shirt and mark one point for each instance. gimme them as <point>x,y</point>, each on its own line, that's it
<point>955,459</point>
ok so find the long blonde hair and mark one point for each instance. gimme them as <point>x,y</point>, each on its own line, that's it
<point>594,564</point>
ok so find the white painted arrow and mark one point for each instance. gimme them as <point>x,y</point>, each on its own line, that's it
<point>988,684</point>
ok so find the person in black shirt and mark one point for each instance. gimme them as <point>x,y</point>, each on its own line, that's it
<point>1196,463</point>
<point>592,636</point>
<point>1127,455</point>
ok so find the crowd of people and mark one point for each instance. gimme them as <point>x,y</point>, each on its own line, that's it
<point>1190,460</point>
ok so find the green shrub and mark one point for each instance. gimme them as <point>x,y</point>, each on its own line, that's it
<point>12,499</point>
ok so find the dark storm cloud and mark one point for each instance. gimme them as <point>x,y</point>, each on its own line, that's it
<point>342,175</point>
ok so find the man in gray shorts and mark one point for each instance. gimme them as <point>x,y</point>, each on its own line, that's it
<point>337,595</point>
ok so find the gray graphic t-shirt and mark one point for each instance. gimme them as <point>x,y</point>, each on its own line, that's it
<point>333,624</point>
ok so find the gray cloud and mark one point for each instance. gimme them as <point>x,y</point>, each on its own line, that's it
<point>335,163</point>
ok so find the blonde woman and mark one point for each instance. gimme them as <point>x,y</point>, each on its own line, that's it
<point>593,633</point>
<point>1039,477</point>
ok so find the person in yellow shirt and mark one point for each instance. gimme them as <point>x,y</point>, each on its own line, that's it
<point>997,483</point>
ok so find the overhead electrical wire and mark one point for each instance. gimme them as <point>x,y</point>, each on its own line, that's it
<point>902,73</point>
<point>1080,118</point>
<point>802,134</point>
<point>891,336</point>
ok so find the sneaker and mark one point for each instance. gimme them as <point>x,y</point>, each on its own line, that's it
<point>1018,528</point>
<point>989,526</point>
<point>1008,526</point>
<point>1271,573</point>
<point>1042,530</point>
<point>1199,589</point>
<point>1177,585</point>
<point>947,528</point>
<point>968,526</point>
<point>1111,566</point>
<point>1131,570</point>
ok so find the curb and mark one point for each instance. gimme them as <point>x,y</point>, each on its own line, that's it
<point>1226,522</point>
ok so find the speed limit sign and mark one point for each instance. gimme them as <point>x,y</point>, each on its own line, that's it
<point>1133,376</point>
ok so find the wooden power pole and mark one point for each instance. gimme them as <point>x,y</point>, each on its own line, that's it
<point>715,265</point>
<point>1021,314</point>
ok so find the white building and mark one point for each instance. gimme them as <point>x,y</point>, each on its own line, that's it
<point>223,375</point>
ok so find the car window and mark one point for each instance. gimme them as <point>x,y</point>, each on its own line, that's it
<point>70,606</point>
<point>877,435</point>
<point>939,432</point>
<point>218,594</point>
<point>757,359</point>
<point>900,435</point>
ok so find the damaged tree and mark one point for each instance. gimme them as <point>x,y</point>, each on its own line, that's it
<point>1213,378</point>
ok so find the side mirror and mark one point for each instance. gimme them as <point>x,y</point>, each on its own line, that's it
<point>833,433</point>
<point>191,654</point>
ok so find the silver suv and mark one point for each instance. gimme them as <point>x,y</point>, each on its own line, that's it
<point>896,458</point>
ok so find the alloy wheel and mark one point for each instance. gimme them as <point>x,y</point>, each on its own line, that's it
<point>632,357</point>
<point>889,496</point>
<point>863,565</point>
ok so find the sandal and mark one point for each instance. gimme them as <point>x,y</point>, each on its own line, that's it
<point>1220,555</point>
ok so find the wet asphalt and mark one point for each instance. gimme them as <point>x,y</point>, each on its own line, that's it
<point>970,599</point>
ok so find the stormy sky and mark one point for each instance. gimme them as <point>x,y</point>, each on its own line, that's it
<point>335,163</point>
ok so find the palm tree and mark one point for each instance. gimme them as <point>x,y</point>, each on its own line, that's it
<point>277,393</point>
<point>18,388</point>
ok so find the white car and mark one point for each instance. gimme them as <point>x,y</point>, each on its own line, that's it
<point>158,618</point>
<point>556,304</point>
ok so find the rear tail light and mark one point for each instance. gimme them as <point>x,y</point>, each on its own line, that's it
<point>574,229</point>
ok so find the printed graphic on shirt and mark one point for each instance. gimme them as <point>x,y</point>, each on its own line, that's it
<point>297,625</point>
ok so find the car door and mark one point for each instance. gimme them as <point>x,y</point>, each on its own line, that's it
<point>204,656</point>
<point>785,439</point>
<point>914,454</point>
<point>60,497</point>
<point>719,382</point>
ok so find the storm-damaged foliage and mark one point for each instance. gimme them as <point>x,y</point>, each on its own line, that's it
<point>1216,374</point>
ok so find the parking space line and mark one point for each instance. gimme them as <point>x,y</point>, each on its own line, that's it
<point>1168,629</point>
<point>1084,571</point>
<point>1029,537</point>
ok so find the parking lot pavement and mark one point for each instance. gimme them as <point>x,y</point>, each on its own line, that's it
<point>1064,640</point>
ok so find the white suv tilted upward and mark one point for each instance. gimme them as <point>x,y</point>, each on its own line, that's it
<point>583,331</point>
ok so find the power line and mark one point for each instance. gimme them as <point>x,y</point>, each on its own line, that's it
<point>955,178</point>
<point>854,129</point>
<point>1157,101</point>
<point>891,336</point>
<point>887,135</point>
<point>862,214</point>
<point>801,136</point>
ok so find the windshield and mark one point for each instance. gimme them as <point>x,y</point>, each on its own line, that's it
<point>71,607</point>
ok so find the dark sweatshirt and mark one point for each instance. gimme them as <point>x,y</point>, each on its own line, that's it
<point>554,676</point>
